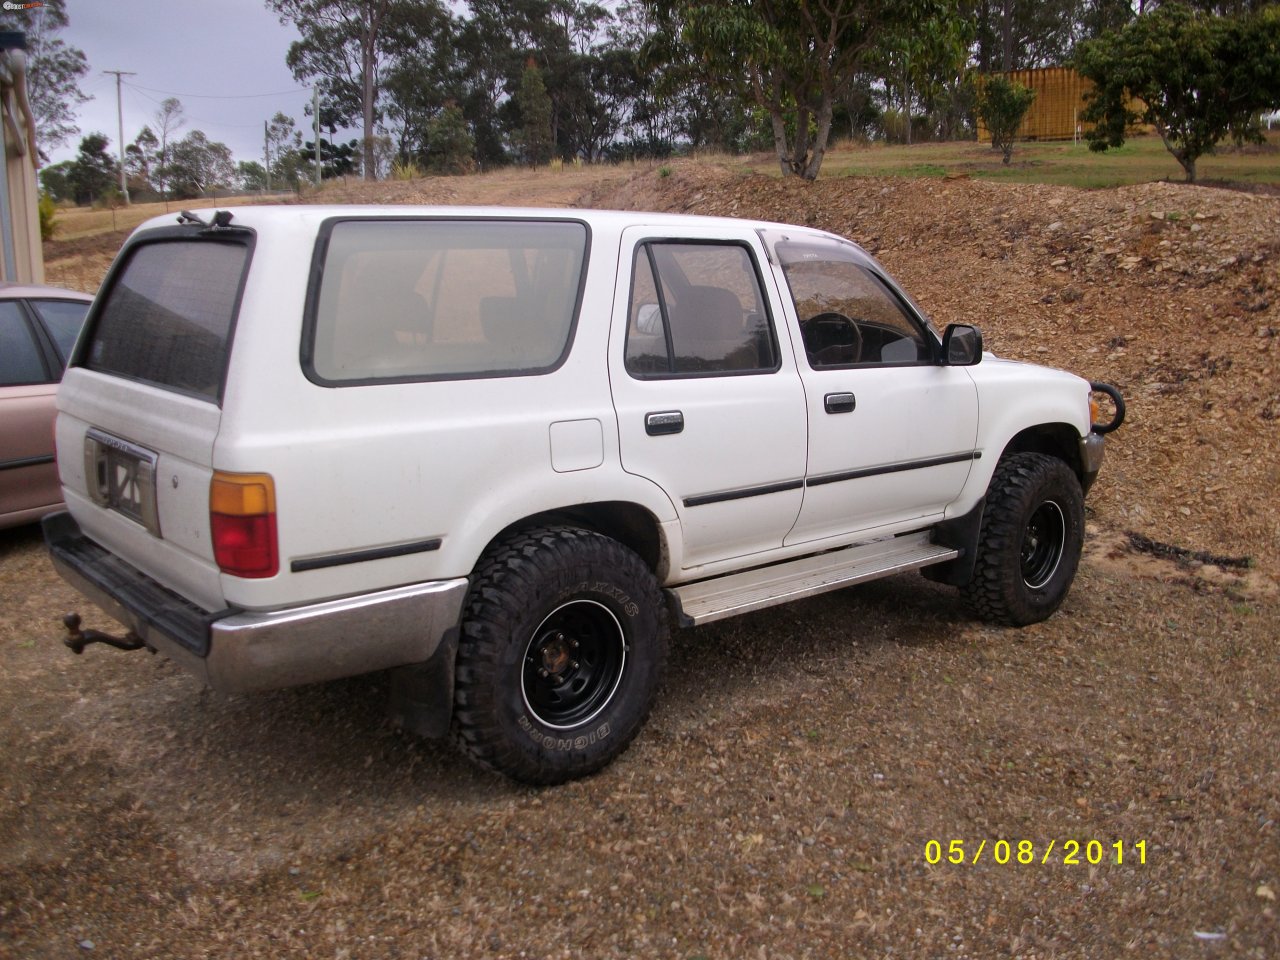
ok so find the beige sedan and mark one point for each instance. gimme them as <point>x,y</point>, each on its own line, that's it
<point>38,327</point>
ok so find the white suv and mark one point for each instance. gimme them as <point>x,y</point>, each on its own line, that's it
<point>501,450</point>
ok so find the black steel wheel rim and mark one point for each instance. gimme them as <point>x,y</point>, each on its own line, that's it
<point>573,664</point>
<point>1043,541</point>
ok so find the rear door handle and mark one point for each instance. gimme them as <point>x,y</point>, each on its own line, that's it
<point>840,402</point>
<point>663,423</point>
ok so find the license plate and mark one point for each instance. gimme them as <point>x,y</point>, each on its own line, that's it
<point>121,476</point>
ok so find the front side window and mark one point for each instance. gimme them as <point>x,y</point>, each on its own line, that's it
<point>444,299</point>
<point>697,308</point>
<point>847,316</point>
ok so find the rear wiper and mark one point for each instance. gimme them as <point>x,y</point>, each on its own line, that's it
<point>221,221</point>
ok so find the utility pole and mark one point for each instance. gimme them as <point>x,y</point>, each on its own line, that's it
<point>266,153</point>
<point>315,115</point>
<point>124,185</point>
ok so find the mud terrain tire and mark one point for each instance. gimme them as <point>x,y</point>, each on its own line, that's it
<point>563,642</point>
<point>1029,547</point>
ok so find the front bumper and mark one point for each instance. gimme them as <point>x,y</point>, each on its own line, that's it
<point>236,651</point>
<point>1093,448</point>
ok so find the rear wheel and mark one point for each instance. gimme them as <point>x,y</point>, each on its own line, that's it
<point>563,642</point>
<point>1029,547</point>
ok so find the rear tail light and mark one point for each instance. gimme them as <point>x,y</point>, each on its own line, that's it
<point>242,517</point>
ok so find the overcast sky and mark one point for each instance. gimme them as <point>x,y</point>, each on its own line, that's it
<point>224,59</point>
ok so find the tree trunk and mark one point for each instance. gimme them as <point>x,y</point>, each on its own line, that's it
<point>906,101</point>
<point>780,140</point>
<point>825,111</point>
<point>372,13</point>
<point>1006,36</point>
<point>800,155</point>
<point>366,68</point>
<point>1185,158</point>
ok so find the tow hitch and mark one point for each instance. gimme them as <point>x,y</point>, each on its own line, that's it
<point>78,639</point>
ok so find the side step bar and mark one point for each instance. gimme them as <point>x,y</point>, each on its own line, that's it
<point>708,600</point>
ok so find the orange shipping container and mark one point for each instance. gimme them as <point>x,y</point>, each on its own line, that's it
<point>1055,112</point>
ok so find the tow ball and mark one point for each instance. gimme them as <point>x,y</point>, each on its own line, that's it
<point>78,639</point>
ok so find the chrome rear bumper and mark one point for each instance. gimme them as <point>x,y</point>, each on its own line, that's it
<point>236,651</point>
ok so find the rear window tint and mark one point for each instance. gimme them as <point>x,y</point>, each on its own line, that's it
<point>444,299</point>
<point>167,317</point>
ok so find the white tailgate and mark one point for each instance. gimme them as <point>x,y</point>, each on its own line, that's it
<point>180,431</point>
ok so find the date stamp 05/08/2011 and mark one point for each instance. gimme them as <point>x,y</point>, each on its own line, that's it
<point>1069,853</point>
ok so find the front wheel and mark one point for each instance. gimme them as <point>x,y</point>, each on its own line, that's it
<point>1029,547</point>
<point>564,637</point>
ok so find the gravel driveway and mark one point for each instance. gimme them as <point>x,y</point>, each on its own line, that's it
<point>779,804</point>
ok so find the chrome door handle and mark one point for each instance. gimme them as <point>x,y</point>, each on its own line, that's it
<point>840,402</point>
<point>663,423</point>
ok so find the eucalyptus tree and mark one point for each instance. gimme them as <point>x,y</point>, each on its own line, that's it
<point>346,47</point>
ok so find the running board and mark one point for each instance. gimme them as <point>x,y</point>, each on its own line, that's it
<point>727,596</point>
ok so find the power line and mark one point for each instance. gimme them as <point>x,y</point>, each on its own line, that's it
<point>95,84</point>
<point>192,117</point>
<point>209,96</point>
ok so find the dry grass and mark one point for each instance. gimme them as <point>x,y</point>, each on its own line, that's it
<point>1142,159</point>
<point>74,223</point>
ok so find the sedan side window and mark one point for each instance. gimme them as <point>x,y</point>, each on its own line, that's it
<point>63,320</point>
<point>20,359</point>
<point>697,309</point>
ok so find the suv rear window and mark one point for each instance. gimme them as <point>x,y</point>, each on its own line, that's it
<point>167,318</point>
<point>443,299</point>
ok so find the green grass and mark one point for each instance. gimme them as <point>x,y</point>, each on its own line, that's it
<point>1141,160</point>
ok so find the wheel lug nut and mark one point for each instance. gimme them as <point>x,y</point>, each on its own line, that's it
<point>544,673</point>
<point>574,664</point>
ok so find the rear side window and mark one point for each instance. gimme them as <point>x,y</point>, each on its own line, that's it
<point>697,309</point>
<point>167,318</point>
<point>444,299</point>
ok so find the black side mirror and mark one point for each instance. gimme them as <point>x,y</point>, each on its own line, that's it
<point>961,345</point>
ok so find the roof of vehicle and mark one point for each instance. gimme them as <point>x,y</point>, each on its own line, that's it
<point>605,219</point>
<point>14,291</point>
